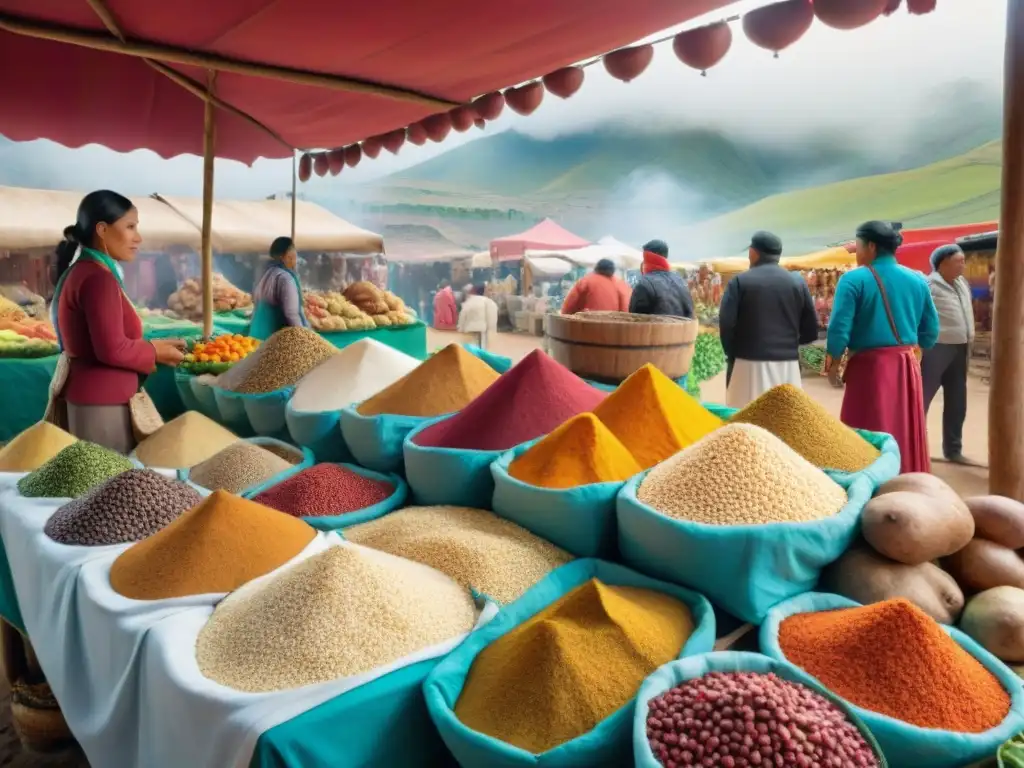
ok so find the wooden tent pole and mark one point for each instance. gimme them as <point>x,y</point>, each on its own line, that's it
<point>209,152</point>
<point>1006,397</point>
<point>295,188</point>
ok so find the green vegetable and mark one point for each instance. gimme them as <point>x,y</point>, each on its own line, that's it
<point>708,358</point>
<point>813,357</point>
<point>1011,754</point>
<point>73,471</point>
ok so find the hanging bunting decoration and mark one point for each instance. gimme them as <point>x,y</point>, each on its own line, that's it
<point>353,154</point>
<point>524,99</point>
<point>921,7</point>
<point>394,140</point>
<point>372,147</point>
<point>776,27</point>
<point>480,123</point>
<point>490,106</point>
<point>462,118</point>
<point>892,7</point>
<point>628,64</point>
<point>704,47</point>
<point>417,134</point>
<point>320,164</point>
<point>336,161</point>
<point>564,82</point>
<point>305,168</point>
<point>438,126</point>
<point>848,14</point>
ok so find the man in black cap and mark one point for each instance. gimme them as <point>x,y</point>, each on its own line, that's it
<point>765,315</point>
<point>660,290</point>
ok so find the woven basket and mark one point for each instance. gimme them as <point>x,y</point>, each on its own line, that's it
<point>38,721</point>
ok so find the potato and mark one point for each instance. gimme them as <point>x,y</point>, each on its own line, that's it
<point>919,482</point>
<point>913,528</point>
<point>998,519</point>
<point>867,577</point>
<point>983,564</point>
<point>995,619</point>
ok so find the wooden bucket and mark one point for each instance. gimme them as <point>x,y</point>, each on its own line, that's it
<point>609,346</point>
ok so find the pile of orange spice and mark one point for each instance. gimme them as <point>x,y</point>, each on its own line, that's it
<point>893,659</point>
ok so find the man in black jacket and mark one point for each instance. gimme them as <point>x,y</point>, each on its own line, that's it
<point>661,290</point>
<point>766,314</point>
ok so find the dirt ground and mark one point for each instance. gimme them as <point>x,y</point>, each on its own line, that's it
<point>966,480</point>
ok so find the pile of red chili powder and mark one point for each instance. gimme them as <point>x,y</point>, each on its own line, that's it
<point>894,659</point>
<point>325,490</point>
<point>529,400</point>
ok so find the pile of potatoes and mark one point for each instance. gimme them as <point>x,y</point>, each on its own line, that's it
<point>921,541</point>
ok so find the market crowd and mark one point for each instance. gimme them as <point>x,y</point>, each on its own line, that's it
<point>894,338</point>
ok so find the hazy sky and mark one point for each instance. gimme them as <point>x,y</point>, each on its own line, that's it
<point>829,78</point>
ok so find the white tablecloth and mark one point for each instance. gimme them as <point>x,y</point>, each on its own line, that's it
<point>124,671</point>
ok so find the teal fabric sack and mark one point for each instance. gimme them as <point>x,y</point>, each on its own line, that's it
<point>206,400</point>
<point>500,363</point>
<point>454,476</point>
<point>266,412</point>
<point>744,569</point>
<point>304,459</point>
<point>376,441</point>
<point>365,515</point>
<point>881,471</point>
<point>231,412</point>
<point>674,673</point>
<point>183,383</point>
<point>609,745</point>
<point>320,431</point>
<point>905,745</point>
<point>579,520</point>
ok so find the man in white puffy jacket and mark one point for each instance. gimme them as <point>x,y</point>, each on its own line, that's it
<point>479,315</point>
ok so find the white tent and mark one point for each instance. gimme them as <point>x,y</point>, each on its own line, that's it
<point>622,255</point>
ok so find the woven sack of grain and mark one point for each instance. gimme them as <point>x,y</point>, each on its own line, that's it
<point>744,569</point>
<point>183,383</point>
<point>609,745</point>
<point>320,431</point>
<point>580,520</point>
<point>677,672</point>
<point>448,476</point>
<point>903,744</point>
<point>376,441</point>
<point>395,501</point>
<point>884,468</point>
<point>203,392</point>
<point>302,458</point>
<point>260,414</point>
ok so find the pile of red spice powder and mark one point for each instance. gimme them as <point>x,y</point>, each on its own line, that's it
<point>531,399</point>
<point>325,490</point>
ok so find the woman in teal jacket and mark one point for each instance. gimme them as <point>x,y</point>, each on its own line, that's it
<point>277,298</point>
<point>882,311</point>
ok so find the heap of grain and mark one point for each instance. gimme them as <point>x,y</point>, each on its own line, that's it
<point>795,726</point>
<point>476,548</point>
<point>34,447</point>
<point>240,466</point>
<point>217,546</point>
<point>580,452</point>
<point>343,612</point>
<point>127,507</point>
<point>741,475</point>
<point>183,442</point>
<point>892,658</point>
<point>563,671</point>
<point>654,417</point>
<point>356,373</point>
<point>530,400</point>
<point>804,425</point>
<point>324,491</point>
<point>281,361</point>
<point>73,471</point>
<point>446,382</point>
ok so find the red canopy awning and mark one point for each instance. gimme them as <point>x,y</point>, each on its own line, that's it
<point>426,57</point>
<point>547,235</point>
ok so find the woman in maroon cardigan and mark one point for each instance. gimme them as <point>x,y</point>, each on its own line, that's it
<point>104,356</point>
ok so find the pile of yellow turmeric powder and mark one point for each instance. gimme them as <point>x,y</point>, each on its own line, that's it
<point>645,421</point>
<point>559,674</point>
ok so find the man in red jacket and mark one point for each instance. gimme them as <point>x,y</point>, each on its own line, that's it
<point>601,290</point>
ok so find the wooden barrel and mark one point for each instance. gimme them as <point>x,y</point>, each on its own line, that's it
<point>609,346</point>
